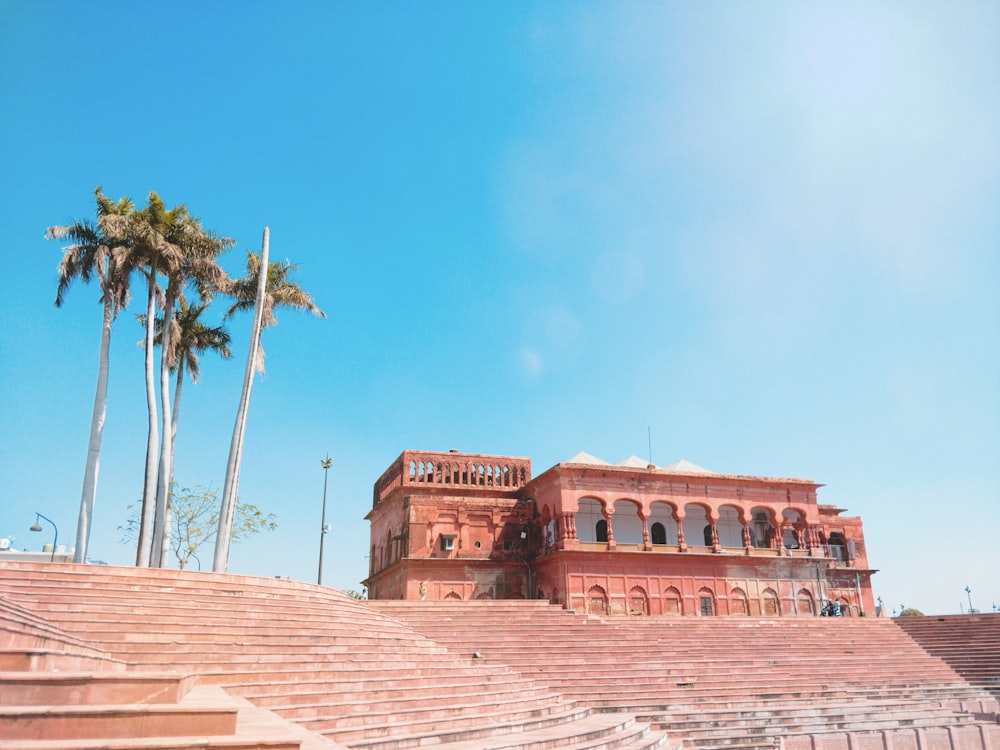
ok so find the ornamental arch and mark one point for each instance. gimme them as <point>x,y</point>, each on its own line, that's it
<point>673,602</point>
<point>597,601</point>
<point>638,601</point>
<point>695,521</point>
<point>770,605</point>
<point>739,602</point>
<point>626,523</point>
<point>729,527</point>
<point>589,514</point>
<point>662,524</point>
<point>792,525</point>
<point>706,602</point>
<point>761,528</point>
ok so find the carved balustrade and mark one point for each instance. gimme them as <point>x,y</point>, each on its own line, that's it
<point>454,470</point>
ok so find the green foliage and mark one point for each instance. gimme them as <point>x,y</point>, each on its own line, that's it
<point>195,521</point>
<point>911,612</point>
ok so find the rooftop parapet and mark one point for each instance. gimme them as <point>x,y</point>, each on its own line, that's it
<point>453,469</point>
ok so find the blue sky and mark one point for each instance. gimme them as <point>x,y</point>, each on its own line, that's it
<point>763,234</point>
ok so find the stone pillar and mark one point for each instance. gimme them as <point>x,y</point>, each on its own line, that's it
<point>569,525</point>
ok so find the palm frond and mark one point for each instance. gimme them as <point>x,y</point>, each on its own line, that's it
<point>280,291</point>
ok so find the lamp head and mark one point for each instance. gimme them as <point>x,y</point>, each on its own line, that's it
<point>35,527</point>
<point>326,463</point>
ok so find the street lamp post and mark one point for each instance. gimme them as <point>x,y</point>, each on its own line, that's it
<point>968,593</point>
<point>326,463</point>
<point>37,527</point>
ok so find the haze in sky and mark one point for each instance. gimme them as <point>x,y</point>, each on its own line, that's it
<point>759,237</point>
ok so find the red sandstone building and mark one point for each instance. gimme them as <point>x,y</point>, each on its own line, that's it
<point>628,538</point>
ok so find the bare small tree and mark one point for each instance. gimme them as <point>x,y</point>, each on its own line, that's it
<point>195,522</point>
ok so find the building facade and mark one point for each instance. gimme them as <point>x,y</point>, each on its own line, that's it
<point>628,538</point>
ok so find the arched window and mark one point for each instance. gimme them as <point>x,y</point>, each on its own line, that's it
<point>738,602</point>
<point>769,604</point>
<point>638,602</point>
<point>672,602</point>
<point>452,595</point>
<point>601,531</point>
<point>597,601</point>
<point>838,550</point>
<point>804,602</point>
<point>706,602</point>
<point>658,533</point>
<point>663,514</point>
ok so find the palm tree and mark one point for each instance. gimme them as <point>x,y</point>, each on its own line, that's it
<point>191,338</point>
<point>262,292</point>
<point>103,250</point>
<point>195,265</point>
<point>157,226</point>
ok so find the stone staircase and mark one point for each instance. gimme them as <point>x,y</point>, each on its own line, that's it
<point>336,670</point>
<point>59,693</point>
<point>727,682</point>
<point>969,644</point>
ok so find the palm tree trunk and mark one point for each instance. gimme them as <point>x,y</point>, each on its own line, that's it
<point>160,530</point>
<point>145,545</point>
<point>168,516</point>
<point>89,492</point>
<point>229,491</point>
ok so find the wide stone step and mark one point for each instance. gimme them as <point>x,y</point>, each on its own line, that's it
<point>403,734</point>
<point>156,743</point>
<point>437,713</point>
<point>388,685</point>
<point>332,698</point>
<point>46,660</point>
<point>77,688</point>
<point>113,721</point>
<point>595,732</point>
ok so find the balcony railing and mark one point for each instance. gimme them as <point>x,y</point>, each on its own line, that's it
<point>455,470</point>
